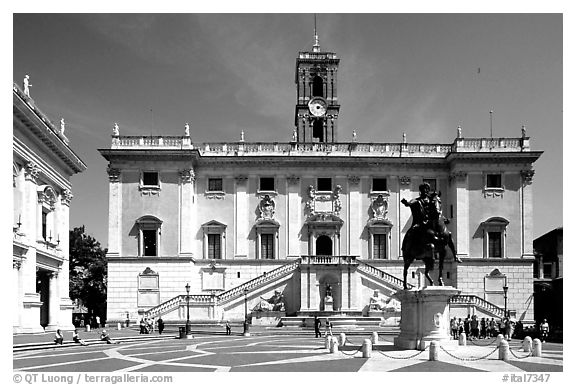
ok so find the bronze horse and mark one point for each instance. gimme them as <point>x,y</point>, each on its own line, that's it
<point>427,236</point>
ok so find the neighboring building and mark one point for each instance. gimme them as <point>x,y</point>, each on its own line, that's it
<point>548,282</point>
<point>240,220</point>
<point>43,163</point>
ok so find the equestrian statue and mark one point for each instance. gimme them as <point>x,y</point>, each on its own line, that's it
<point>428,234</point>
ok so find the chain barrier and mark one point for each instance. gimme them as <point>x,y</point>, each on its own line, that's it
<point>351,354</point>
<point>403,358</point>
<point>469,358</point>
<point>352,343</point>
<point>521,357</point>
<point>493,339</point>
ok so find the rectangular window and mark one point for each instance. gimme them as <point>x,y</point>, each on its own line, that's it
<point>267,246</point>
<point>324,184</point>
<point>267,184</point>
<point>494,181</point>
<point>548,270</point>
<point>44,224</point>
<point>431,182</point>
<point>215,184</point>
<point>150,179</point>
<point>214,249</point>
<point>494,244</point>
<point>149,242</point>
<point>379,184</point>
<point>379,249</point>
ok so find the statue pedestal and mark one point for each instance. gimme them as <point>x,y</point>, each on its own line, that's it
<point>328,304</point>
<point>425,316</point>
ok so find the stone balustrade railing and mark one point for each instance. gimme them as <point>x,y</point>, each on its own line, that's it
<point>328,259</point>
<point>478,302</point>
<point>322,149</point>
<point>374,271</point>
<point>257,282</point>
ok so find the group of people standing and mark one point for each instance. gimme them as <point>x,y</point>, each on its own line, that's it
<point>318,325</point>
<point>147,326</point>
<point>475,328</point>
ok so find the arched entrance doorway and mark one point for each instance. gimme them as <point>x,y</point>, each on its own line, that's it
<point>323,245</point>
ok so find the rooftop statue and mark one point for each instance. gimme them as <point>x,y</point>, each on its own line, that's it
<point>116,130</point>
<point>62,126</point>
<point>27,85</point>
<point>186,129</point>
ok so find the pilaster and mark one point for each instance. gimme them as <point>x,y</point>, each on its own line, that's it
<point>354,216</point>
<point>187,211</point>
<point>294,215</point>
<point>114,211</point>
<point>53,303</point>
<point>461,215</point>
<point>526,207</point>
<point>241,217</point>
<point>404,191</point>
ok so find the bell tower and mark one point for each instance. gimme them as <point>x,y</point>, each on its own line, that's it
<point>317,108</point>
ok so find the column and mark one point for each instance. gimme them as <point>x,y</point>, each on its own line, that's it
<point>462,213</point>
<point>65,303</point>
<point>187,212</point>
<point>31,300</point>
<point>17,299</point>
<point>114,212</point>
<point>241,217</point>
<point>305,288</point>
<point>53,303</point>
<point>404,192</point>
<point>294,215</point>
<point>354,216</point>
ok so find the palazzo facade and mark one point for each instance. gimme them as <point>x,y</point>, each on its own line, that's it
<point>43,163</point>
<point>238,221</point>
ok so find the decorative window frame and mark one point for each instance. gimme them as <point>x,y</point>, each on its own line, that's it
<point>493,192</point>
<point>214,227</point>
<point>214,194</point>
<point>46,203</point>
<point>149,189</point>
<point>149,222</point>
<point>379,226</point>
<point>267,226</point>
<point>151,291</point>
<point>494,224</point>
<point>493,287</point>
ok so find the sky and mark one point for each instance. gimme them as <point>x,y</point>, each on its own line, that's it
<point>422,74</point>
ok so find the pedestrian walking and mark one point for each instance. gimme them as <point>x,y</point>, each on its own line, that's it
<point>58,337</point>
<point>317,327</point>
<point>483,328</point>
<point>492,327</point>
<point>467,326</point>
<point>160,323</point>
<point>544,330</point>
<point>460,326</point>
<point>97,321</point>
<point>474,327</point>
<point>454,328</point>
<point>228,328</point>
<point>328,327</point>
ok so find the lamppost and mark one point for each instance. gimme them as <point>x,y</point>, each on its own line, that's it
<point>505,288</point>
<point>188,332</point>
<point>246,326</point>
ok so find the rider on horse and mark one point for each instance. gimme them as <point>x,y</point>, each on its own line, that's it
<point>427,220</point>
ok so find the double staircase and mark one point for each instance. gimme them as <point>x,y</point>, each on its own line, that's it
<point>235,295</point>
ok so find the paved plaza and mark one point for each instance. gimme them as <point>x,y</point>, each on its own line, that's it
<point>280,353</point>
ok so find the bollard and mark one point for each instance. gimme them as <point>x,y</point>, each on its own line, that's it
<point>537,350</point>
<point>367,349</point>
<point>342,339</point>
<point>434,347</point>
<point>527,344</point>
<point>119,327</point>
<point>333,345</point>
<point>462,339</point>
<point>327,341</point>
<point>87,327</point>
<point>499,339</point>
<point>504,351</point>
<point>374,338</point>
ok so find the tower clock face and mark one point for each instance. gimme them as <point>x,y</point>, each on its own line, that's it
<point>317,107</point>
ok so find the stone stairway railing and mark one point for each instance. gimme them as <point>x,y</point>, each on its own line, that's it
<point>235,292</point>
<point>263,279</point>
<point>375,272</point>
<point>478,302</point>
